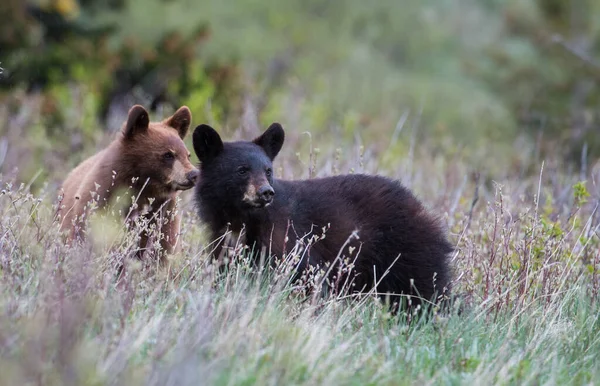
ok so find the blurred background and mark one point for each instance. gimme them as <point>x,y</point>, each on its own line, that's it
<point>501,84</point>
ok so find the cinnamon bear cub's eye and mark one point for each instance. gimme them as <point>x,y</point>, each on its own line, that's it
<point>169,156</point>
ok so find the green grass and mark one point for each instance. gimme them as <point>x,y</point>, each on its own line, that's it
<point>526,271</point>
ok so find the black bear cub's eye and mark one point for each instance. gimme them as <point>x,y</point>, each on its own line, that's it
<point>242,170</point>
<point>169,155</point>
<point>269,172</point>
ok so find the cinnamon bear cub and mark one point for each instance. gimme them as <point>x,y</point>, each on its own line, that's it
<point>149,158</point>
<point>374,223</point>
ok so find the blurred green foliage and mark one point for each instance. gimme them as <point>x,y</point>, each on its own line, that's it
<point>472,75</point>
<point>59,42</point>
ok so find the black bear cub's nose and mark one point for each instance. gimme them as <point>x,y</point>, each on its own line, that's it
<point>193,176</point>
<point>266,193</point>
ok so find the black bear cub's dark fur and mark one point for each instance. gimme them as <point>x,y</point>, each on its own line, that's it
<point>237,191</point>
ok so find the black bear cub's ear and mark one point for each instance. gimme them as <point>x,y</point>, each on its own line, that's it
<point>180,121</point>
<point>207,143</point>
<point>137,122</point>
<point>271,140</point>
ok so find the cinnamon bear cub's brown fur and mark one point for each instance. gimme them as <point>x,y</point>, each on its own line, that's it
<point>149,157</point>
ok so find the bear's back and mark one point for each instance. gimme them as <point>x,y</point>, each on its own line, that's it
<point>369,202</point>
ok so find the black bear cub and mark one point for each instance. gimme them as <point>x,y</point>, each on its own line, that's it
<point>373,223</point>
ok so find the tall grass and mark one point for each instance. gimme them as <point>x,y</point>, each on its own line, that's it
<point>402,89</point>
<point>526,267</point>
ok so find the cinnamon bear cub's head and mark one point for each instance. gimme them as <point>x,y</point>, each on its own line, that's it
<point>154,152</point>
<point>237,176</point>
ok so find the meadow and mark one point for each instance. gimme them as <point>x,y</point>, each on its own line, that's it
<point>519,200</point>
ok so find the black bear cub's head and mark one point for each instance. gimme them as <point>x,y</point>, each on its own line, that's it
<point>238,174</point>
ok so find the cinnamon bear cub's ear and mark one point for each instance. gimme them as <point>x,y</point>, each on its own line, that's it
<point>137,122</point>
<point>180,121</point>
<point>207,143</point>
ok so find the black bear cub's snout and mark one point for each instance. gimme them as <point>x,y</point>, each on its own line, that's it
<point>266,194</point>
<point>259,194</point>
